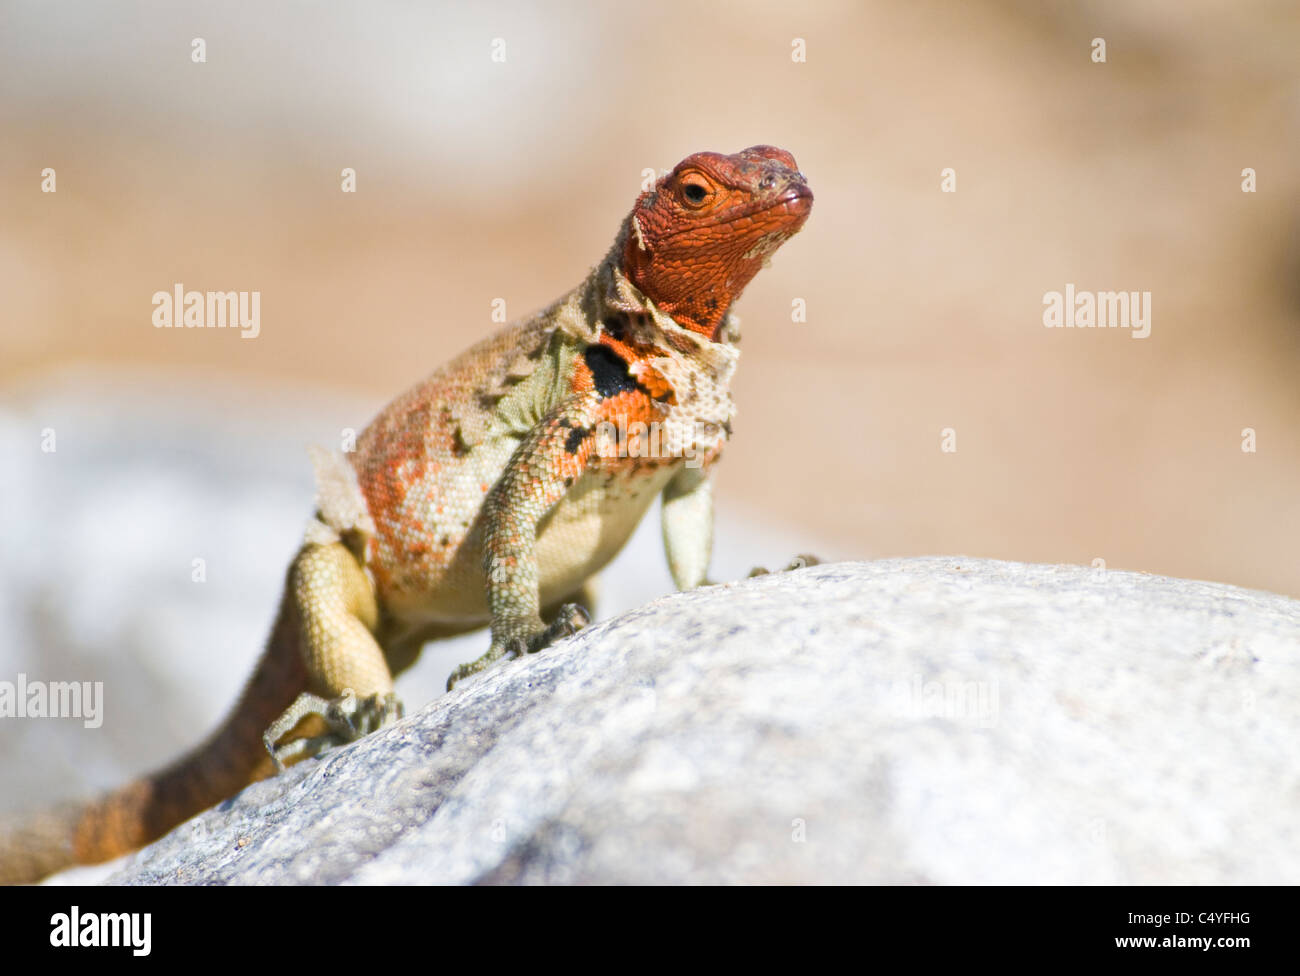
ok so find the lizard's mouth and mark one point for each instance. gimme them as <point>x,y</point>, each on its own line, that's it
<point>781,219</point>
<point>784,215</point>
<point>796,200</point>
<point>797,191</point>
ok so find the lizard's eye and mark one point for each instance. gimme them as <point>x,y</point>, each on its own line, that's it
<point>694,193</point>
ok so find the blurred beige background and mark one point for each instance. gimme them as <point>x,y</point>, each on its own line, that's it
<point>480,180</point>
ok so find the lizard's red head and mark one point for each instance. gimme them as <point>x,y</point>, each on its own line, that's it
<point>703,231</point>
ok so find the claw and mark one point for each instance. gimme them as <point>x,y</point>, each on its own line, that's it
<point>515,649</point>
<point>571,619</point>
<point>346,719</point>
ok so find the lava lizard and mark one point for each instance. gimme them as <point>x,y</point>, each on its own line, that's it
<point>488,494</point>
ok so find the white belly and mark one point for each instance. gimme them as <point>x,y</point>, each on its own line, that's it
<point>588,527</point>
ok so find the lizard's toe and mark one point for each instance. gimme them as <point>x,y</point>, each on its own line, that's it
<point>461,672</point>
<point>571,619</point>
<point>801,561</point>
<point>374,713</point>
<point>346,719</point>
<point>515,649</point>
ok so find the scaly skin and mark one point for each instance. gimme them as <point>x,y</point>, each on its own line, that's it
<point>491,493</point>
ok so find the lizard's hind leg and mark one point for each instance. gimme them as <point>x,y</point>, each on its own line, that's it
<point>349,684</point>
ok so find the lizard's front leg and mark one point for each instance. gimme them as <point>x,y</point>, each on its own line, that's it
<point>687,521</point>
<point>687,518</point>
<point>542,469</point>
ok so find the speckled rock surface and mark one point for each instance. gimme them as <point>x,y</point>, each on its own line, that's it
<point>916,720</point>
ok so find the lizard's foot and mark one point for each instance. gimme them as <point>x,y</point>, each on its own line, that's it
<point>346,719</point>
<point>508,650</point>
<point>802,561</point>
<point>571,619</point>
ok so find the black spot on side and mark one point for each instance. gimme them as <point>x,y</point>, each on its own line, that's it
<point>575,438</point>
<point>609,371</point>
<point>616,327</point>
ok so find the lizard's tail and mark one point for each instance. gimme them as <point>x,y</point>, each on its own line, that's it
<point>228,760</point>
